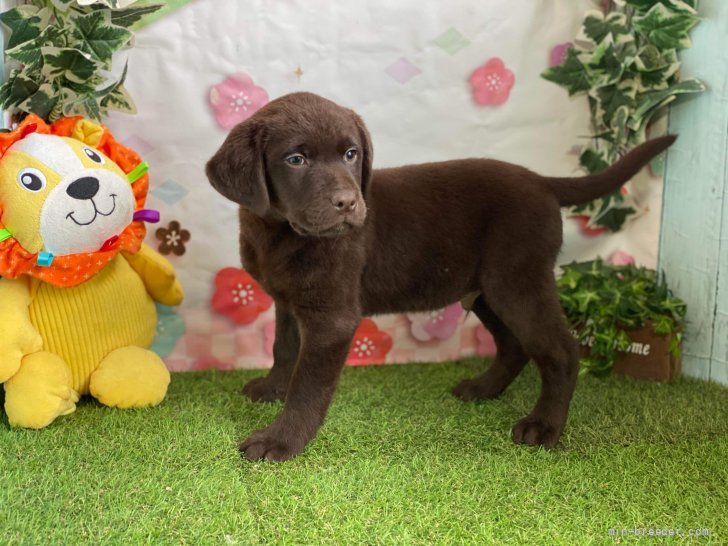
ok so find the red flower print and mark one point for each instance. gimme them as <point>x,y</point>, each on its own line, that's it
<point>238,296</point>
<point>492,83</point>
<point>370,345</point>
<point>236,99</point>
<point>588,230</point>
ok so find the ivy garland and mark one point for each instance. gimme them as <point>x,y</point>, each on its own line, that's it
<point>625,60</point>
<point>63,51</point>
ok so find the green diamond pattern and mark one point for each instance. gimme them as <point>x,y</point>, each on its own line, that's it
<point>452,41</point>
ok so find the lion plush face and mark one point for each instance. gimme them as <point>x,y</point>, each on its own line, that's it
<point>63,196</point>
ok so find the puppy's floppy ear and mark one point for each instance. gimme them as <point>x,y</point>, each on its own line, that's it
<point>367,152</point>
<point>237,170</point>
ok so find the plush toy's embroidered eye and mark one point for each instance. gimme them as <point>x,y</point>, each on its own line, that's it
<point>93,156</point>
<point>32,179</point>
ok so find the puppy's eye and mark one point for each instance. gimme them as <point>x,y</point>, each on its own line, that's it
<point>351,155</point>
<point>296,160</point>
<point>93,156</point>
<point>32,179</point>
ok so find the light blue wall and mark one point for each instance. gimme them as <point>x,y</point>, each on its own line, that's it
<point>694,237</point>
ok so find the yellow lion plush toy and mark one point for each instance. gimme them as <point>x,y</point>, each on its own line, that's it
<point>77,286</point>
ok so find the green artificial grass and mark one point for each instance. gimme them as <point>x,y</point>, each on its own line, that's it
<point>399,461</point>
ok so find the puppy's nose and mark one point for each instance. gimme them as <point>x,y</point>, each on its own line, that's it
<point>344,201</point>
<point>83,188</point>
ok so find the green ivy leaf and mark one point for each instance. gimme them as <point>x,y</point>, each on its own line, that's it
<point>84,105</point>
<point>17,89</point>
<point>62,5</point>
<point>598,26</point>
<point>612,98</point>
<point>41,102</point>
<point>120,101</point>
<point>128,16</point>
<point>614,218</point>
<point>70,63</point>
<point>593,161</point>
<point>571,74</point>
<point>665,28</point>
<point>605,66</point>
<point>25,23</point>
<point>98,36</point>
<point>642,6</point>
<point>650,101</point>
<point>29,53</point>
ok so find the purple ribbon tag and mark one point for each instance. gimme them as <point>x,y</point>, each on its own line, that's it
<point>147,215</point>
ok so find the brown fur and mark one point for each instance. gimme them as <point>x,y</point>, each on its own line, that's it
<point>332,241</point>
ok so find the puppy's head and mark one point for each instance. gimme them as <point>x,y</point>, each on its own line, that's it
<point>301,157</point>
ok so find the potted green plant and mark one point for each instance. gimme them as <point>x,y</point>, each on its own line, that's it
<point>61,52</point>
<point>625,319</point>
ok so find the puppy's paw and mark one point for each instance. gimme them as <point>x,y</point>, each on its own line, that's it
<point>263,389</point>
<point>535,431</point>
<point>266,444</point>
<point>472,389</point>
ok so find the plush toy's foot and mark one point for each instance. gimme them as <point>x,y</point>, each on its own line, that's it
<point>130,377</point>
<point>39,392</point>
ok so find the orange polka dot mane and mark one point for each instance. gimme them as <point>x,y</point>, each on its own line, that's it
<point>71,270</point>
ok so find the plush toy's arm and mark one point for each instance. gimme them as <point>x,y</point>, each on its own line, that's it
<point>158,275</point>
<point>19,337</point>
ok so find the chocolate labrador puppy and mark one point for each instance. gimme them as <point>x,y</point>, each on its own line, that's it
<point>332,240</point>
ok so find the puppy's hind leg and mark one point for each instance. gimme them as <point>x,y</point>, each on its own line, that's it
<point>509,360</point>
<point>530,309</point>
<point>285,352</point>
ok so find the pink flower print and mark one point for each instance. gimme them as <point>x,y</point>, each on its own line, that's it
<point>621,258</point>
<point>492,83</point>
<point>269,337</point>
<point>558,53</point>
<point>370,345</point>
<point>238,296</point>
<point>236,99</point>
<point>486,343</point>
<point>435,324</point>
<point>210,363</point>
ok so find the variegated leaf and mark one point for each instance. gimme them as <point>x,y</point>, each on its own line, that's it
<point>119,100</point>
<point>85,105</point>
<point>29,53</point>
<point>598,26</point>
<point>25,23</point>
<point>96,35</point>
<point>571,74</point>
<point>665,28</point>
<point>41,102</point>
<point>128,16</point>
<point>62,5</point>
<point>70,63</point>
<point>17,89</point>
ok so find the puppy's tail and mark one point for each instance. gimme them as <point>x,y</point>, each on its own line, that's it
<point>574,191</point>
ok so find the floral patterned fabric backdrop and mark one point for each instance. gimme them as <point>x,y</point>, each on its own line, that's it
<point>433,81</point>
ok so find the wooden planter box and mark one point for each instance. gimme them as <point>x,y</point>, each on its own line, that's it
<point>647,358</point>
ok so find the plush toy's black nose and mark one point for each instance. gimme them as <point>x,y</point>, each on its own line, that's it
<point>83,188</point>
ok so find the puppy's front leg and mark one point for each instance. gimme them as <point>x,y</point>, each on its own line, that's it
<point>285,353</point>
<point>325,342</point>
